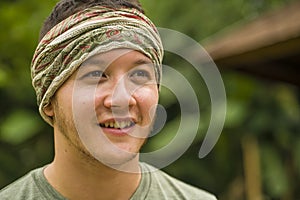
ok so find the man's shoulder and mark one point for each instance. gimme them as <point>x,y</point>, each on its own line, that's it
<point>172,187</point>
<point>22,188</point>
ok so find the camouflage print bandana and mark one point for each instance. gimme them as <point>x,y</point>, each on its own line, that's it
<point>89,32</point>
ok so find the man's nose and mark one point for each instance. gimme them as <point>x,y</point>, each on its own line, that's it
<point>119,96</point>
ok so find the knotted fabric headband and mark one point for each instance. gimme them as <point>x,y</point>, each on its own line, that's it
<point>89,32</point>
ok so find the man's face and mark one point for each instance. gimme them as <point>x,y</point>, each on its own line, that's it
<point>106,109</point>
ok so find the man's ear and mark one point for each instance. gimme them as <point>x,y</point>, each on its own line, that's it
<point>49,110</point>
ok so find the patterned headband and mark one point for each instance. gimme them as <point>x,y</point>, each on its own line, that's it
<point>89,32</point>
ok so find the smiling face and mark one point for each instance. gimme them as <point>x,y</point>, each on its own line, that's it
<point>106,109</point>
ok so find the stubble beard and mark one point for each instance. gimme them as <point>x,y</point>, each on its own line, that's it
<point>66,126</point>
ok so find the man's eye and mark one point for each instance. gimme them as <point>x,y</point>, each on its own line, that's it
<point>141,73</point>
<point>140,76</point>
<point>94,74</point>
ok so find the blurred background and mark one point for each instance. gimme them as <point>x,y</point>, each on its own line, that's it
<point>254,43</point>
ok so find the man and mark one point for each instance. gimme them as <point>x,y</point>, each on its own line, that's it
<point>96,72</point>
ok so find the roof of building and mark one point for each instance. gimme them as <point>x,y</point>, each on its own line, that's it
<point>268,46</point>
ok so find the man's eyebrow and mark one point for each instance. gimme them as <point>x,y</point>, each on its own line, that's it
<point>143,62</point>
<point>100,62</point>
<point>93,62</point>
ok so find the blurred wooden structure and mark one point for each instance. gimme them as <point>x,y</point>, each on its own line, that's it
<point>268,46</point>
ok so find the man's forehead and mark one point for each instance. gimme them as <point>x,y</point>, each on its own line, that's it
<point>107,58</point>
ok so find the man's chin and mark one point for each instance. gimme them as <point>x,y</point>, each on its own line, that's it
<point>126,163</point>
<point>120,160</point>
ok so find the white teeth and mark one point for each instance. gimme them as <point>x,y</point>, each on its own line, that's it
<point>123,124</point>
<point>117,124</point>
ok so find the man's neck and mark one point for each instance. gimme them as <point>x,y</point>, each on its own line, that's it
<point>75,178</point>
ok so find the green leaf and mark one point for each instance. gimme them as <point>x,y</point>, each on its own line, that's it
<point>275,179</point>
<point>3,77</point>
<point>19,126</point>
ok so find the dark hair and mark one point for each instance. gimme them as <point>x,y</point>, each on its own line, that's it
<point>66,8</point>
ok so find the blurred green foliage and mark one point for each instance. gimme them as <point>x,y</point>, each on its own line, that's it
<point>269,111</point>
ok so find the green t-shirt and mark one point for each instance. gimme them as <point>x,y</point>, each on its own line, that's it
<point>154,185</point>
